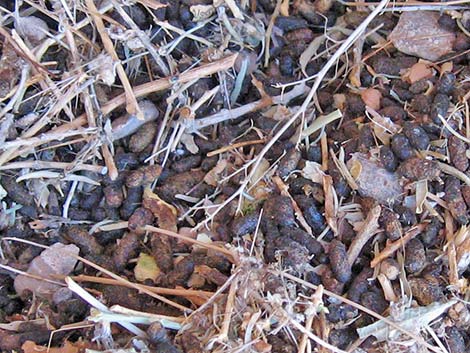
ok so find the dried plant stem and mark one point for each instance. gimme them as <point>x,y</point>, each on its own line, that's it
<point>139,91</point>
<point>226,114</point>
<point>232,256</point>
<point>234,146</point>
<point>398,244</point>
<point>448,169</point>
<point>131,100</point>
<point>308,328</point>
<point>54,165</point>
<point>158,290</point>
<point>228,312</point>
<point>368,230</point>
<point>284,189</point>
<point>109,161</point>
<point>313,337</point>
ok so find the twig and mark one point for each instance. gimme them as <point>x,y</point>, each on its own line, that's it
<point>109,161</point>
<point>448,169</point>
<point>131,100</point>
<point>228,312</point>
<point>68,200</point>
<point>284,189</point>
<point>390,249</point>
<point>368,230</point>
<point>232,256</point>
<point>234,146</point>
<point>226,114</point>
<point>158,290</point>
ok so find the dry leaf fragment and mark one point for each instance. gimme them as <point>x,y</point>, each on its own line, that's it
<point>374,181</point>
<point>419,33</point>
<point>371,98</point>
<point>58,259</point>
<point>213,176</point>
<point>201,12</point>
<point>164,212</point>
<point>32,28</point>
<point>31,347</point>
<point>417,72</point>
<point>313,172</point>
<point>413,320</point>
<point>146,268</point>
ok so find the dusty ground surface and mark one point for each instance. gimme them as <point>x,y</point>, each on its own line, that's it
<point>234,176</point>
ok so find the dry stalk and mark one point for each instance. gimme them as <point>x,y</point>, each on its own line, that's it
<point>139,91</point>
<point>387,288</point>
<point>284,189</point>
<point>390,248</point>
<point>223,335</point>
<point>109,161</point>
<point>226,114</point>
<point>69,167</point>
<point>368,230</point>
<point>181,292</point>
<point>234,146</point>
<point>231,255</point>
<point>131,101</point>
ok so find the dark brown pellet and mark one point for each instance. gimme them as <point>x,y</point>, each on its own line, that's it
<point>389,222</point>
<point>455,201</point>
<point>419,169</point>
<point>86,242</point>
<point>415,256</point>
<point>457,152</point>
<point>401,147</point>
<point>388,159</point>
<point>126,249</point>
<point>113,195</point>
<point>245,225</point>
<point>424,291</point>
<point>338,261</point>
<point>439,107</point>
<point>140,218</point>
<point>416,135</point>
<point>289,162</point>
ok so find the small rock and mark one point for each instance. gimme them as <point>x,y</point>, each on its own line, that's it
<point>418,33</point>
<point>375,181</point>
<point>57,260</point>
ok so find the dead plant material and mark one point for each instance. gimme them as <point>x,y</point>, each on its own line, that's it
<point>396,245</point>
<point>368,229</point>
